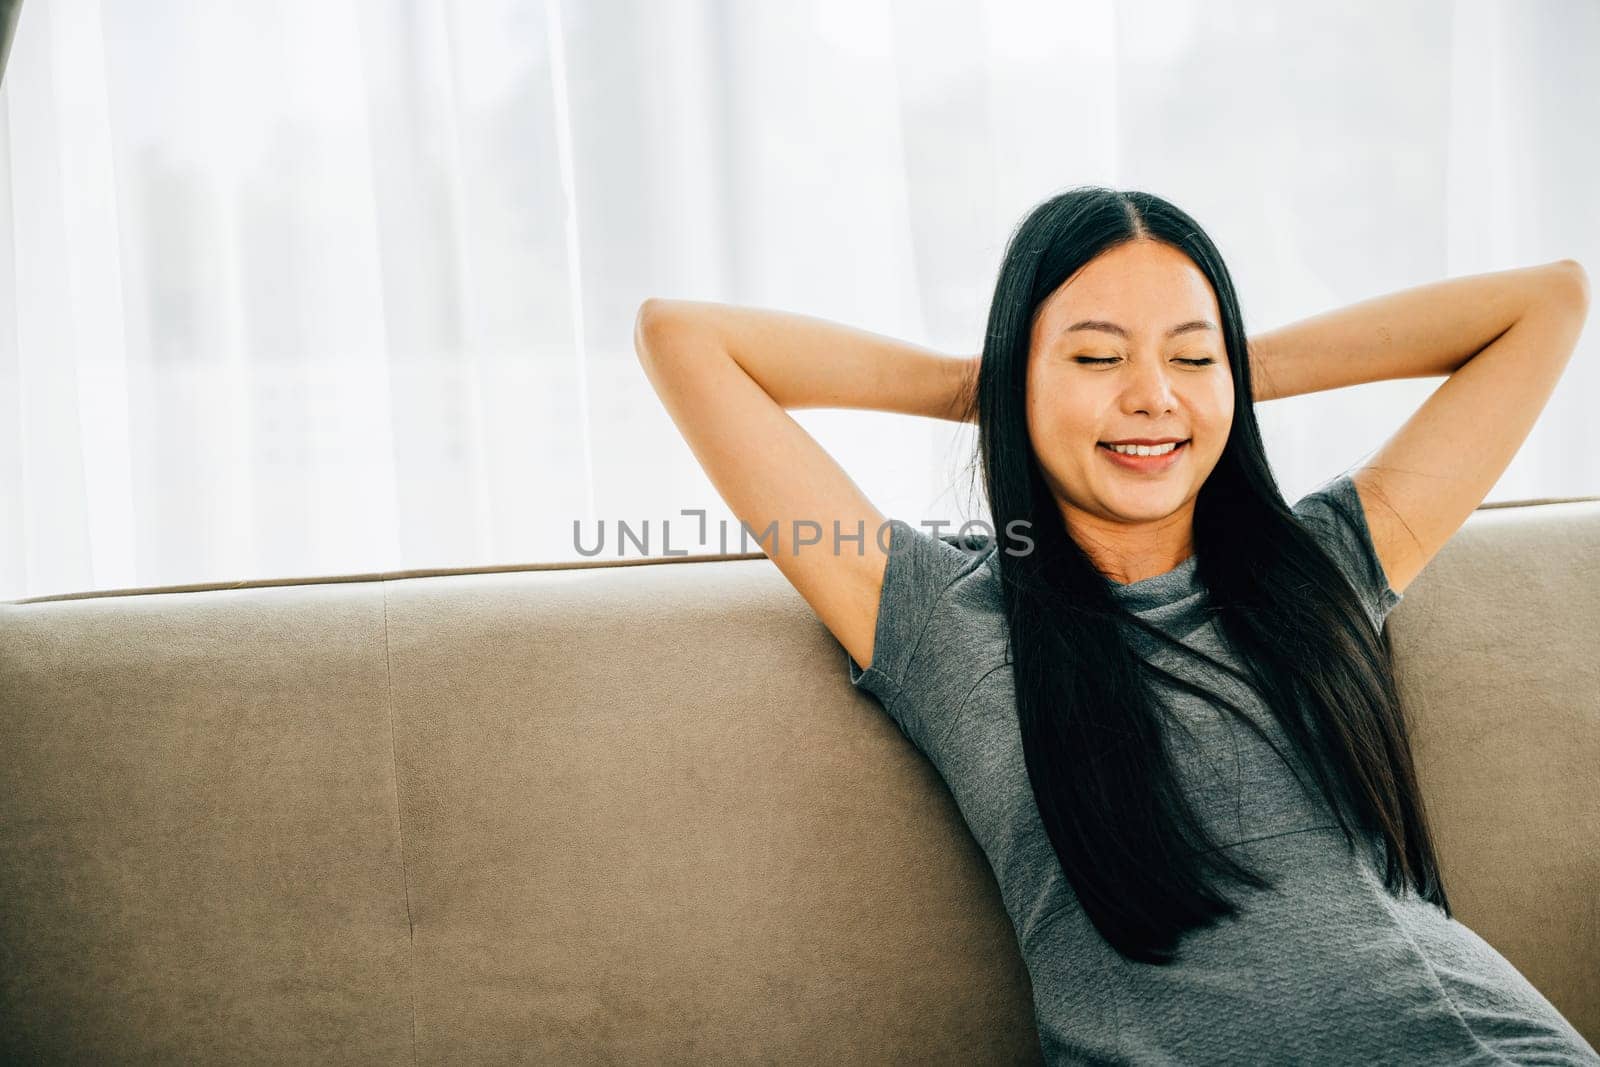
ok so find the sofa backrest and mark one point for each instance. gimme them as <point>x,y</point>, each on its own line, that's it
<point>635,812</point>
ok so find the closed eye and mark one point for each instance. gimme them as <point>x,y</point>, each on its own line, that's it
<point>1112,359</point>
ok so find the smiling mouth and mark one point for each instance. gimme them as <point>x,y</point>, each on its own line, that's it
<point>1179,447</point>
<point>1138,463</point>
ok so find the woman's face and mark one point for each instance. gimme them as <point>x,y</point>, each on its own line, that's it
<point>1129,347</point>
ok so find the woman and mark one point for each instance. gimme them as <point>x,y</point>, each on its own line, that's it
<point>1162,698</point>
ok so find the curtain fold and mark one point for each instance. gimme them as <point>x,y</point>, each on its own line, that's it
<point>314,288</point>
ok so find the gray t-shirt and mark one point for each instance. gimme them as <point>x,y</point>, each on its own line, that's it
<point>1327,968</point>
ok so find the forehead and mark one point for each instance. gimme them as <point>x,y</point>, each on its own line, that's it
<point>1144,286</point>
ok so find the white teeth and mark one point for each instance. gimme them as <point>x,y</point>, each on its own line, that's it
<point>1145,450</point>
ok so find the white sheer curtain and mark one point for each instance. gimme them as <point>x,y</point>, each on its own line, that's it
<point>309,288</point>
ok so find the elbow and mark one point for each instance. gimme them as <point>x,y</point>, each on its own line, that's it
<point>1574,285</point>
<point>651,323</point>
<point>646,323</point>
<point>661,326</point>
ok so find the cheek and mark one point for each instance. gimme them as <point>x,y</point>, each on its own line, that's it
<point>1213,406</point>
<point>1218,413</point>
<point>1061,428</point>
<point>1062,402</point>
<point>1218,422</point>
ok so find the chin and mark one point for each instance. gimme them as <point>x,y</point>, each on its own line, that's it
<point>1150,501</point>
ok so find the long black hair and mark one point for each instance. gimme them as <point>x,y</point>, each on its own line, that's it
<point>1127,838</point>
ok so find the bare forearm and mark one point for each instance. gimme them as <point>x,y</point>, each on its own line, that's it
<point>806,362</point>
<point>1426,331</point>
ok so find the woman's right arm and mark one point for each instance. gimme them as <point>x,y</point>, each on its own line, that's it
<point>727,374</point>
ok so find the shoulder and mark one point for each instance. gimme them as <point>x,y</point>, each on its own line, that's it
<point>1334,514</point>
<point>940,623</point>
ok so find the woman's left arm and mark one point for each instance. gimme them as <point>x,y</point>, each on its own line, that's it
<point>1502,338</point>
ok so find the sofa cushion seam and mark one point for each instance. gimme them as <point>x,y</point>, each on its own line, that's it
<point>394,769</point>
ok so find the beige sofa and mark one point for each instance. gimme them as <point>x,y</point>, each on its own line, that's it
<point>634,813</point>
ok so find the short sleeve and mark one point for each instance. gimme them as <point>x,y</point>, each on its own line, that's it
<point>1334,514</point>
<point>918,571</point>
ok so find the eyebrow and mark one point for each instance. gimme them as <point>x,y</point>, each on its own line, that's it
<point>1111,327</point>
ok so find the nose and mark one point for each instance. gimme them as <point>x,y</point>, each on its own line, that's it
<point>1148,388</point>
